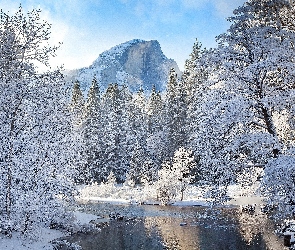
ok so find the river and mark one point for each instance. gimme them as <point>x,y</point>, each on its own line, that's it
<point>174,227</point>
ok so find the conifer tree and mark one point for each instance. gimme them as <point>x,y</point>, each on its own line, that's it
<point>137,162</point>
<point>110,124</point>
<point>191,72</point>
<point>77,97</point>
<point>194,79</point>
<point>175,113</point>
<point>92,134</point>
<point>156,136</point>
<point>154,112</point>
<point>77,105</point>
<point>92,105</point>
<point>116,132</point>
<point>138,119</point>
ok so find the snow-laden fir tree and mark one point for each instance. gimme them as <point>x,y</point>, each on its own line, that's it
<point>138,160</point>
<point>191,74</point>
<point>138,118</point>
<point>138,129</point>
<point>110,125</point>
<point>156,137</point>
<point>175,113</point>
<point>154,112</point>
<point>116,132</point>
<point>77,105</point>
<point>35,163</point>
<point>126,139</point>
<point>194,79</point>
<point>92,135</point>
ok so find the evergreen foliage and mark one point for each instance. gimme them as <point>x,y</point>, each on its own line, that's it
<point>175,114</point>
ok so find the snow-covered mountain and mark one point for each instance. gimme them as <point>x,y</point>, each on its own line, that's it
<point>135,63</point>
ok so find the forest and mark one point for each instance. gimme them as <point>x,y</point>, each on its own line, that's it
<point>228,119</point>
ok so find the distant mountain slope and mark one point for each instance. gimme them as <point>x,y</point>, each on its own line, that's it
<point>135,63</point>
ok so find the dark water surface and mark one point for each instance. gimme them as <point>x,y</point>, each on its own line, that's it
<point>172,227</point>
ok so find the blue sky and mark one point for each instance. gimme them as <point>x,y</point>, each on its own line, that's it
<point>89,27</point>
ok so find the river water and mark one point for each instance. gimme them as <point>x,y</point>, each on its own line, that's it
<point>174,227</point>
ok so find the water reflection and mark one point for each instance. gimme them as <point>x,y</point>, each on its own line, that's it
<point>254,227</point>
<point>120,235</point>
<point>174,232</point>
<point>181,228</point>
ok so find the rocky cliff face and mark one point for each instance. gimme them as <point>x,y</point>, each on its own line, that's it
<point>137,64</point>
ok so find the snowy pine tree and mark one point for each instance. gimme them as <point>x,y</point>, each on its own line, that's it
<point>175,113</point>
<point>92,134</point>
<point>156,136</point>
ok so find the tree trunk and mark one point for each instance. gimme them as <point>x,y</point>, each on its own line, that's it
<point>182,195</point>
<point>8,192</point>
<point>270,128</point>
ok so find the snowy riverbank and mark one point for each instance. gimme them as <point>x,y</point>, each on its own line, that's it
<point>119,195</point>
<point>44,237</point>
<point>193,195</point>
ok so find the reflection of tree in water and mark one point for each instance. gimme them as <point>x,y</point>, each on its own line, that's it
<point>256,228</point>
<point>251,226</point>
<point>159,228</point>
<point>120,235</point>
<point>173,235</point>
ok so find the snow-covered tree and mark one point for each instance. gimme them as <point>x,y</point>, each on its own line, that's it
<point>154,112</point>
<point>175,113</point>
<point>184,168</point>
<point>110,125</point>
<point>278,183</point>
<point>137,162</point>
<point>116,132</point>
<point>77,106</point>
<point>77,101</point>
<point>35,163</point>
<point>156,136</point>
<point>138,119</point>
<point>191,74</point>
<point>251,78</point>
<point>194,79</point>
<point>92,134</point>
<point>166,185</point>
<point>174,178</point>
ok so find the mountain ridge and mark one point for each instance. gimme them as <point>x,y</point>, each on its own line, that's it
<point>135,63</point>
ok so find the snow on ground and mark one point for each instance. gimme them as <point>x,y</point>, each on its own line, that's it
<point>104,199</point>
<point>46,235</point>
<point>240,196</point>
<point>193,195</point>
<point>84,218</point>
<point>18,243</point>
